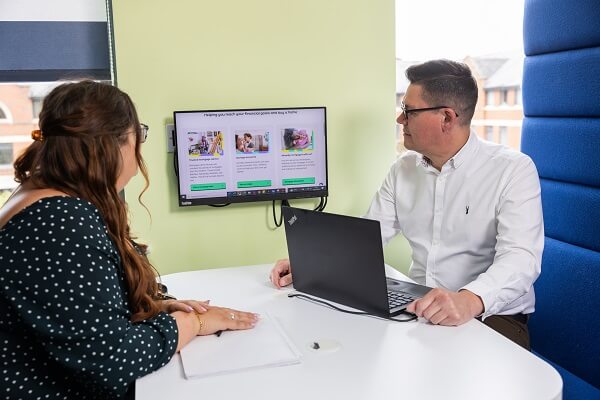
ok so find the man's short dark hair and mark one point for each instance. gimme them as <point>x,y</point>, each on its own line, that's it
<point>446,83</point>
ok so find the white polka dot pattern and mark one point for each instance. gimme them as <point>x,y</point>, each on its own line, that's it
<point>65,330</point>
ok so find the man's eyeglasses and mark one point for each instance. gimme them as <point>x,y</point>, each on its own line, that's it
<point>407,111</point>
<point>143,132</point>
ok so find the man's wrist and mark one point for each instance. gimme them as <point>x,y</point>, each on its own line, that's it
<point>475,302</point>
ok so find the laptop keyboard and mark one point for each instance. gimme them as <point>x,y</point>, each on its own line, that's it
<point>397,299</point>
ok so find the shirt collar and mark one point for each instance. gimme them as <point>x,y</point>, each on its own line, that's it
<point>422,161</point>
<point>465,153</point>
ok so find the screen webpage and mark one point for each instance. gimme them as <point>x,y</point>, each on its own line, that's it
<point>246,155</point>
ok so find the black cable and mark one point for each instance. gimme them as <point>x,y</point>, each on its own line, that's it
<point>318,207</point>
<point>412,317</point>
<point>277,224</point>
<point>175,157</point>
<point>322,204</point>
<point>175,166</point>
<point>283,203</point>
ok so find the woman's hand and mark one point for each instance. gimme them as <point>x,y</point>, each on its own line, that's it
<point>220,319</point>
<point>207,322</point>
<point>170,306</point>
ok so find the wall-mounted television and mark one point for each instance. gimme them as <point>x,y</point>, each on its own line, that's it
<point>243,155</point>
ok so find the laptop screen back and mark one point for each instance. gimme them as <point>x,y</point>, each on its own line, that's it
<point>338,258</point>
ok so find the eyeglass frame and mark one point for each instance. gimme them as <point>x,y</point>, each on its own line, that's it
<point>406,112</point>
<point>144,132</point>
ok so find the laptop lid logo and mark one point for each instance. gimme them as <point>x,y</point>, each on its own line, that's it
<point>292,220</point>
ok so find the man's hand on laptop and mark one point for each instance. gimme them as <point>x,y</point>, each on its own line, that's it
<point>444,307</point>
<point>281,274</point>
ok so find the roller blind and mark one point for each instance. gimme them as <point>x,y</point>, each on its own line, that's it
<point>44,40</point>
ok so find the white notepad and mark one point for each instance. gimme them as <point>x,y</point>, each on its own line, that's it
<point>266,345</point>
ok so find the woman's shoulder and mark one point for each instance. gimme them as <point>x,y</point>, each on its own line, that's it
<point>51,206</point>
<point>63,204</point>
<point>66,203</point>
<point>57,223</point>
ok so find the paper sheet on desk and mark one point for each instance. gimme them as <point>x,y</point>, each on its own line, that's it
<point>266,345</point>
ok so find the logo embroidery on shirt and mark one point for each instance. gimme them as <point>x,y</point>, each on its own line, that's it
<point>466,209</point>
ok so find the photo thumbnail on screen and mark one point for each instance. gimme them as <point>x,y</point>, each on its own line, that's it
<point>251,141</point>
<point>205,143</point>
<point>297,139</point>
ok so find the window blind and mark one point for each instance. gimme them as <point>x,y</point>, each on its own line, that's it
<point>49,41</point>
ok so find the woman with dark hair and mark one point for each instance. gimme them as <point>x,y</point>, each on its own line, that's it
<point>81,314</point>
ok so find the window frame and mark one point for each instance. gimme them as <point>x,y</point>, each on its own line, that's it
<point>8,118</point>
<point>503,135</point>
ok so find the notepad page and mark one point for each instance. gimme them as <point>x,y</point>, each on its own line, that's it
<point>266,345</point>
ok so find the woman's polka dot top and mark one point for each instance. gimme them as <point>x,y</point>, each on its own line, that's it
<point>65,329</point>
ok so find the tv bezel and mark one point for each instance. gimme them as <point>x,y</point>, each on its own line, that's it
<point>250,198</point>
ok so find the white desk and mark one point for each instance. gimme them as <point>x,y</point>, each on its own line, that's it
<point>377,360</point>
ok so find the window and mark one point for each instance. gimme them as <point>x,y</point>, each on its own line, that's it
<point>489,133</point>
<point>504,94</point>
<point>6,154</point>
<point>504,135</point>
<point>494,54</point>
<point>44,49</point>
<point>36,103</point>
<point>5,115</point>
<point>489,97</point>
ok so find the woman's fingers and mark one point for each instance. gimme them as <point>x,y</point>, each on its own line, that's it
<point>239,319</point>
<point>170,306</point>
<point>220,318</point>
<point>198,306</point>
<point>187,306</point>
<point>240,325</point>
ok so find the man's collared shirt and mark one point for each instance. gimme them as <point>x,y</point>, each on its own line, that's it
<point>477,224</point>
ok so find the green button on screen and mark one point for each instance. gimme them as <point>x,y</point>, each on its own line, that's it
<point>253,184</point>
<point>298,181</point>
<point>207,186</point>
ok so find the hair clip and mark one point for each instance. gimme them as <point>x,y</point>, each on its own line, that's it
<point>37,135</point>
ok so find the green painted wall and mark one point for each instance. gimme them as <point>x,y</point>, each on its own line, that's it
<point>186,55</point>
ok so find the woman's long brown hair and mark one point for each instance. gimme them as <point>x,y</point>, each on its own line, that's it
<point>84,125</point>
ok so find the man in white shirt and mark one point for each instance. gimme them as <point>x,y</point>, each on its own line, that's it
<point>471,210</point>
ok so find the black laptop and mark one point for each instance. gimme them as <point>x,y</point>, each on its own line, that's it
<point>340,258</point>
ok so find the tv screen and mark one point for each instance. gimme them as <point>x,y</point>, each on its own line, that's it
<point>232,156</point>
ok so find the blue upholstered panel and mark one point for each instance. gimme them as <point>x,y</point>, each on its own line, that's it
<point>569,25</point>
<point>562,84</point>
<point>577,157</point>
<point>565,325</point>
<point>572,213</point>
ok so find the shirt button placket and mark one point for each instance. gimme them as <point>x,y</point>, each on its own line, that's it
<point>438,213</point>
